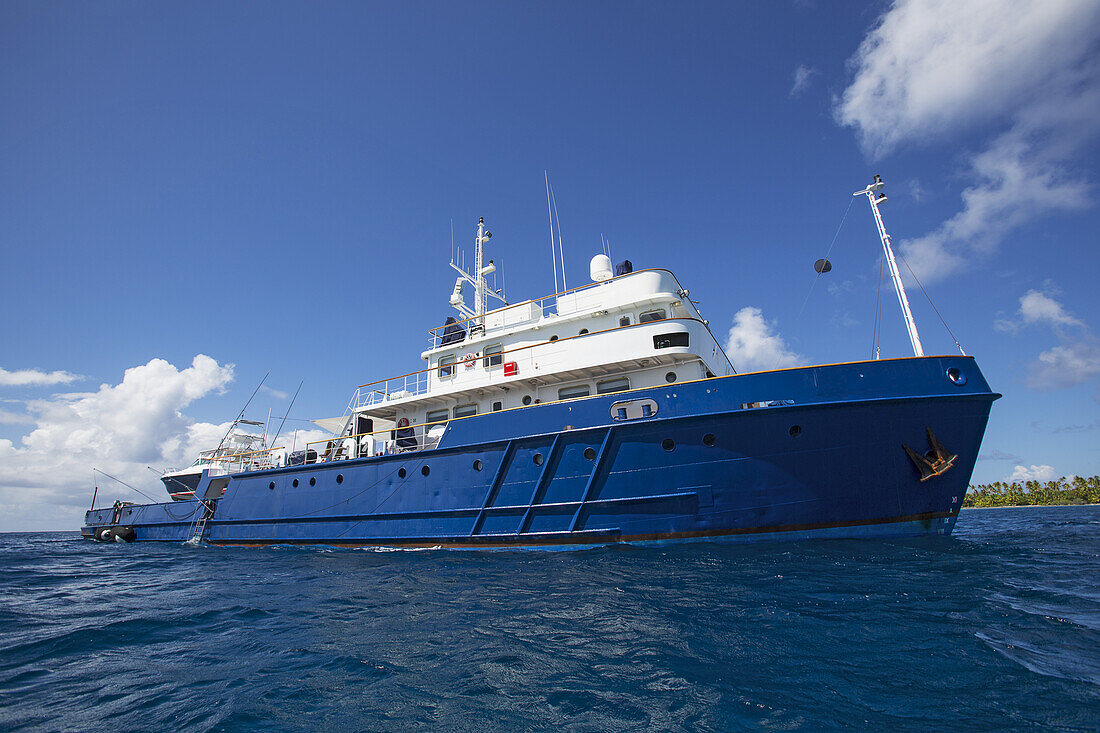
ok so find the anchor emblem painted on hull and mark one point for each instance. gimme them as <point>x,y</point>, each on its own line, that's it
<point>935,462</point>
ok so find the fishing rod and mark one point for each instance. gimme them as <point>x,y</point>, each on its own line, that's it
<point>288,411</point>
<point>241,415</point>
<point>115,478</point>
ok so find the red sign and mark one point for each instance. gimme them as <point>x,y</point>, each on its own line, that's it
<point>510,369</point>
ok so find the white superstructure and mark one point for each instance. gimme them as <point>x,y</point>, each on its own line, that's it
<point>619,332</point>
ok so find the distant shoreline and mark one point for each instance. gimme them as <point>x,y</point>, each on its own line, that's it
<point>1029,506</point>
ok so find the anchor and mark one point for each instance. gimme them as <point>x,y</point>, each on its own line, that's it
<point>934,463</point>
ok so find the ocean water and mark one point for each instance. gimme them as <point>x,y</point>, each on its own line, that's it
<point>997,627</point>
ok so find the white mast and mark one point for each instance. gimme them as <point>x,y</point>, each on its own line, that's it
<point>481,289</point>
<point>888,252</point>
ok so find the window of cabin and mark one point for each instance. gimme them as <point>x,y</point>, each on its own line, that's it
<point>650,316</point>
<point>624,321</point>
<point>577,390</point>
<point>466,410</point>
<point>494,356</point>
<point>608,386</point>
<point>668,340</point>
<point>446,366</point>
<point>498,406</point>
<point>436,416</point>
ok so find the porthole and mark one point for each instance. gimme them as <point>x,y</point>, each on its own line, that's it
<point>709,439</point>
<point>526,399</point>
<point>795,431</point>
<point>477,465</point>
<point>312,480</point>
<point>590,453</point>
<point>668,444</point>
<point>583,331</point>
<point>425,471</point>
<point>339,478</point>
<point>670,377</point>
<point>401,472</point>
<point>537,458</point>
<point>295,483</point>
<point>956,376</point>
<point>554,337</point>
<point>271,486</point>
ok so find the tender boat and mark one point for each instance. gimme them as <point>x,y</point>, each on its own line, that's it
<point>605,413</point>
<point>238,450</point>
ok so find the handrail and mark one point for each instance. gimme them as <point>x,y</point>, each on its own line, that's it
<point>247,453</point>
<point>432,331</point>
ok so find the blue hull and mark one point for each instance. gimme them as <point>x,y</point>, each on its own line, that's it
<point>791,454</point>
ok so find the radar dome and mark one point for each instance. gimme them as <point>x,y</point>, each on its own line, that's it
<point>600,268</point>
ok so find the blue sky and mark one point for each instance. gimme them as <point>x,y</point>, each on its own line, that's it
<point>271,186</point>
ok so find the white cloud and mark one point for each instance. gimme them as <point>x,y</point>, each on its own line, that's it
<point>35,378</point>
<point>1014,182</point>
<point>937,68</point>
<point>1037,307</point>
<point>752,346</point>
<point>802,77</point>
<point>1075,360</point>
<point>1033,473</point>
<point>120,429</point>
<point>276,393</point>
<point>7,417</point>
<point>1066,366</point>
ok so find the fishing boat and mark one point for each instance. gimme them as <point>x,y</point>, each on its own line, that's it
<point>606,413</point>
<point>238,450</point>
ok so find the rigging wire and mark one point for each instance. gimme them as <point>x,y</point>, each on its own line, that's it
<point>934,308</point>
<point>827,252</point>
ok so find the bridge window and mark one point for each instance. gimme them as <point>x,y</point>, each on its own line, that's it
<point>466,410</point>
<point>650,316</point>
<point>608,386</point>
<point>446,366</point>
<point>493,356</point>
<point>577,390</point>
<point>668,340</point>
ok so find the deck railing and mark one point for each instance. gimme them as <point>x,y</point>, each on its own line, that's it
<point>541,307</point>
<point>498,366</point>
<point>388,442</point>
<point>255,460</point>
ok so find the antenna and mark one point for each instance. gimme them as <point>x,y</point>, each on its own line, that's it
<point>557,221</point>
<point>550,216</point>
<point>876,198</point>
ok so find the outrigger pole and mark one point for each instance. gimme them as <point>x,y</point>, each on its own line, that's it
<point>910,325</point>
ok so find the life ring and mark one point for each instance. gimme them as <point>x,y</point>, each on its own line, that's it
<point>469,360</point>
<point>403,422</point>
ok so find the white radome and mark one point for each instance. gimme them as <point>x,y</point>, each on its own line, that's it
<point>600,268</point>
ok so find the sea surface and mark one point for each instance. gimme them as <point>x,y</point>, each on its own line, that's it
<point>997,627</point>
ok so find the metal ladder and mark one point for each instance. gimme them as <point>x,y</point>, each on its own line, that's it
<point>198,527</point>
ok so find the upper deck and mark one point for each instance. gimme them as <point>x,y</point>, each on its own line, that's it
<point>631,322</point>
